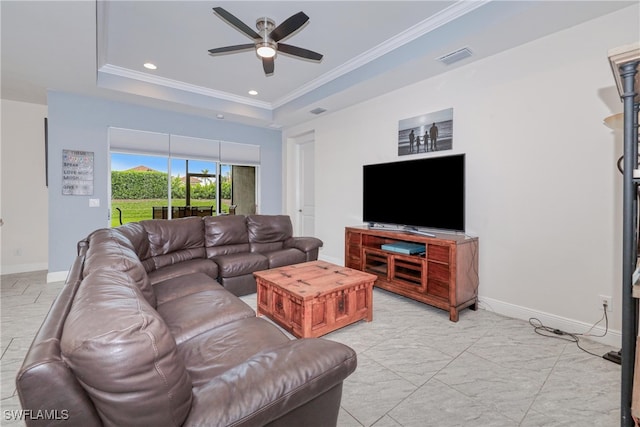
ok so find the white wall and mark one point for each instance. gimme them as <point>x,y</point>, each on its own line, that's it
<point>24,207</point>
<point>542,189</point>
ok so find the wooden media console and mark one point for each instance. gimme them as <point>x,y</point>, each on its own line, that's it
<point>445,275</point>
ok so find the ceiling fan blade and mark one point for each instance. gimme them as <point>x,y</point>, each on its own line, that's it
<point>289,26</point>
<point>232,20</point>
<point>231,49</point>
<point>298,51</point>
<point>268,65</point>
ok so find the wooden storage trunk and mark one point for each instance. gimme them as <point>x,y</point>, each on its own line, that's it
<point>315,298</point>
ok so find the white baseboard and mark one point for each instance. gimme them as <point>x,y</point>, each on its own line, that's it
<point>23,268</point>
<point>332,260</point>
<point>57,276</point>
<point>612,338</point>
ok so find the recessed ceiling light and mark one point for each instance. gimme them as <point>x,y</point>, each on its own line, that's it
<point>220,116</point>
<point>150,66</point>
<point>253,92</point>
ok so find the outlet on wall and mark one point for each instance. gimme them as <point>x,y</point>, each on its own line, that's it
<point>605,299</point>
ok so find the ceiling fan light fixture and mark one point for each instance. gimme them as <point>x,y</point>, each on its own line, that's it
<point>267,41</point>
<point>266,50</point>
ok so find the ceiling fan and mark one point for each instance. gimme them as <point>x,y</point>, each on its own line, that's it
<point>267,41</point>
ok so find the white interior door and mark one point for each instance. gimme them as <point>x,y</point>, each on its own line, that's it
<point>306,188</point>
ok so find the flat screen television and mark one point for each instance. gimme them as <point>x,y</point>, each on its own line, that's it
<point>423,193</point>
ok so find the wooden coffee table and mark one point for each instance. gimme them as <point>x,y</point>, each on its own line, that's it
<point>315,298</point>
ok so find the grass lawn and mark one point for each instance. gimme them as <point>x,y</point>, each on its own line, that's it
<point>139,209</point>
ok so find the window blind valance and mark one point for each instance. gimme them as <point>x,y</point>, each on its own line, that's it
<point>241,154</point>
<point>138,141</point>
<point>184,147</point>
<point>187,147</point>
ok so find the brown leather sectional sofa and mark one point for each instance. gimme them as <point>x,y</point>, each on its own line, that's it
<point>148,330</point>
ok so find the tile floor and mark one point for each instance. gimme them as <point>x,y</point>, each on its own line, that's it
<point>415,368</point>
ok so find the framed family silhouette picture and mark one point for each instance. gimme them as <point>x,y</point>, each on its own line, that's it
<point>426,133</point>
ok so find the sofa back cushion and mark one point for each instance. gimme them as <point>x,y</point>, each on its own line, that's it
<point>268,232</point>
<point>137,235</point>
<point>110,249</point>
<point>123,354</point>
<point>225,234</point>
<point>175,240</point>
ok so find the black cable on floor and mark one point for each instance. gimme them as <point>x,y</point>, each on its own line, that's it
<point>547,331</point>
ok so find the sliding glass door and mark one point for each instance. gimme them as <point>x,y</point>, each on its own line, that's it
<point>239,185</point>
<point>170,176</point>
<point>194,188</point>
<point>139,187</point>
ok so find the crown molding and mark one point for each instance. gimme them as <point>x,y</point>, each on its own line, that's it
<point>178,85</point>
<point>448,14</point>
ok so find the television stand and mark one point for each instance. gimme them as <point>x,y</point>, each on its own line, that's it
<point>414,230</point>
<point>444,276</point>
<point>406,229</point>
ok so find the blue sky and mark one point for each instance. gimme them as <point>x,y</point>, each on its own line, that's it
<point>120,162</point>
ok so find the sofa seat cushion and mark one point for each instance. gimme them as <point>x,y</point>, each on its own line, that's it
<point>271,382</point>
<point>240,285</point>
<point>232,265</point>
<point>196,313</point>
<point>284,257</point>
<point>123,354</point>
<point>201,265</point>
<point>181,286</point>
<point>215,351</point>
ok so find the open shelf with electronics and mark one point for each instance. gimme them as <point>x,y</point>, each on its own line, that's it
<point>444,274</point>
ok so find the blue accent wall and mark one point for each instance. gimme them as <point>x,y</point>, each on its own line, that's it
<point>81,123</point>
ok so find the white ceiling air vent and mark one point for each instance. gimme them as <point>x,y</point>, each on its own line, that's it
<point>318,110</point>
<point>455,56</point>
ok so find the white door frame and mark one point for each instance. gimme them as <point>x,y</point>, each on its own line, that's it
<point>304,214</point>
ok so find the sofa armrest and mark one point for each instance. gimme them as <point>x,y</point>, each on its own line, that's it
<point>309,245</point>
<point>305,244</point>
<point>272,383</point>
